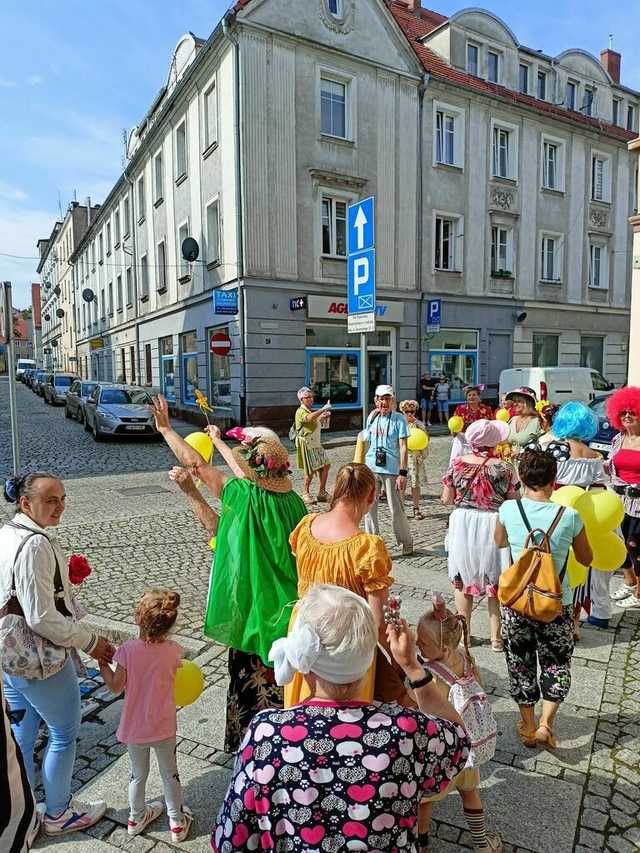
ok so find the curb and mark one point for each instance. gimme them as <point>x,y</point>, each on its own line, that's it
<point>120,632</point>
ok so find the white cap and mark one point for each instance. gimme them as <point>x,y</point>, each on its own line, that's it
<point>384,391</point>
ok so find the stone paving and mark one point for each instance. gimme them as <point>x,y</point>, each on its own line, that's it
<point>137,531</point>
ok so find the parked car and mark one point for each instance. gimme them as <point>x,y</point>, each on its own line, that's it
<point>76,398</point>
<point>28,376</point>
<point>39,380</point>
<point>557,384</point>
<point>114,409</point>
<point>606,433</point>
<point>54,390</point>
<point>23,365</point>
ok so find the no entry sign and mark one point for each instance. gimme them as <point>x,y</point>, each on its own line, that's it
<point>220,343</point>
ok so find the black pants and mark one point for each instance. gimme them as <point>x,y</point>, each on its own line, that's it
<point>631,533</point>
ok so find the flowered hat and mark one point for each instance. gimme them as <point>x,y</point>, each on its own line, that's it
<point>523,391</point>
<point>264,459</point>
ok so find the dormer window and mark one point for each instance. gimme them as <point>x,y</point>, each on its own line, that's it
<point>587,102</point>
<point>493,67</point>
<point>542,86</point>
<point>523,79</point>
<point>472,59</point>
<point>570,95</point>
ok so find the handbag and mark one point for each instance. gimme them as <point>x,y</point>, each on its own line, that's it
<point>24,653</point>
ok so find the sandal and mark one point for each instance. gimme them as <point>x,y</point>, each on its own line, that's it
<point>528,738</point>
<point>324,497</point>
<point>417,514</point>
<point>306,497</point>
<point>497,646</point>
<point>545,736</point>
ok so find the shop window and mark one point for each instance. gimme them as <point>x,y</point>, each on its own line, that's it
<point>337,336</point>
<point>545,351</point>
<point>453,353</point>
<point>592,352</point>
<point>167,367</point>
<point>189,349</point>
<point>334,376</point>
<point>219,374</point>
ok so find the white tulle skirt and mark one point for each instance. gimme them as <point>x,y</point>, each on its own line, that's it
<point>459,447</point>
<point>473,555</point>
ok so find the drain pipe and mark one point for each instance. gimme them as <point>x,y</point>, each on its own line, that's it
<point>422,88</point>
<point>134,269</point>
<point>227,22</point>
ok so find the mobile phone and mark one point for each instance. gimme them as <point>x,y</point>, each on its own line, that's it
<point>391,611</point>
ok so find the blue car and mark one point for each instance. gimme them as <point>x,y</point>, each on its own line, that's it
<point>606,433</point>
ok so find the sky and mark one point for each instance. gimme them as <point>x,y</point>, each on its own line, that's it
<point>73,75</point>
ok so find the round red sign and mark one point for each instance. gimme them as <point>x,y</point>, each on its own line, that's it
<point>220,343</point>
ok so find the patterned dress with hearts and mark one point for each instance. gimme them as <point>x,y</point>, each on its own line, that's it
<point>330,776</point>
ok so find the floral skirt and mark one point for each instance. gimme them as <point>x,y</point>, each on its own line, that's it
<point>252,688</point>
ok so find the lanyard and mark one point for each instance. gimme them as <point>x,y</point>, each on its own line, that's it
<point>386,437</point>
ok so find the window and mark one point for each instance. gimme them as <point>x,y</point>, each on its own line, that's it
<point>210,116</point>
<point>161,260</point>
<point>523,79</point>
<point>472,59</point>
<point>183,266</point>
<point>103,313</point>
<point>141,198</point>
<point>570,95</point>
<point>501,250</point>
<point>108,238</point>
<point>167,367</point>
<point>448,135</point>
<point>493,67</point>
<point>598,269</point>
<point>335,8</point>
<point>587,101</point>
<point>127,215</point>
<point>541,91</point>
<point>181,150</point>
<point>545,351</point>
<point>333,108</point>
<point>123,366</point>
<point>129,285</point>
<point>144,277</point>
<point>219,373</point>
<point>600,177</point>
<point>116,227</point>
<point>334,227</point>
<point>110,290</point>
<point>592,353</point>
<point>93,254</point>
<point>148,369</point>
<point>615,111</point>
<point>444,253</point>
<point>101,246</point>
<point>119,292</point>
<point>445,138</point>
<point>157,172</point>
<point>504,153</point>
<point>189,347</point>
<point>552,163</point>
<point>551,258</point>
<point>631,118</point>
<point>213,233</point>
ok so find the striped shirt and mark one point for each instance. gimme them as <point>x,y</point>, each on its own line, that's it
<point>18,818</point>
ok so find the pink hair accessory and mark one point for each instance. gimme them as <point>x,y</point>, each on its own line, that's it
<point>237,432</point>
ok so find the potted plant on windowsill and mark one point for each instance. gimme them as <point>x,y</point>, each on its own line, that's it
<point>501,274</point>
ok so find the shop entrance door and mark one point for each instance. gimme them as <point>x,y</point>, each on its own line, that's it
<point>379,367</point>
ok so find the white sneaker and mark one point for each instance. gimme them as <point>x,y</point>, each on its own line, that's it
<point>76,817</point>
<point>407,550</point>
<point>179,831</point>
<point>622,592</point>
<point>631,602</point>
<point>135,827</point>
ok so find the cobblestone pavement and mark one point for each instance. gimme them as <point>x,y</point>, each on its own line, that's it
<point>135,528</point>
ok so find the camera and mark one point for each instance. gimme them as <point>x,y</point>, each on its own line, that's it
<point>381,457</point>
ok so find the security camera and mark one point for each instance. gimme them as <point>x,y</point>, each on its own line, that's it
<point>520,317</point>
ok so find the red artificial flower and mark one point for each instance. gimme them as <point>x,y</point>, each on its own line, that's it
<point>79,568</point>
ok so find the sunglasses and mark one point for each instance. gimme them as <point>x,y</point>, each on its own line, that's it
<point>628,412</point>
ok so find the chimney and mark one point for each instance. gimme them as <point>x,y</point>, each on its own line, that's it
<point>88,211</point>
<point>414,6</point>
<point>610,60</point>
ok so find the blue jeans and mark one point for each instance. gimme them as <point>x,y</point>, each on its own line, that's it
<point>56,700</point>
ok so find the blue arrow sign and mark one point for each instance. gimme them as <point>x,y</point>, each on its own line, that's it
<point>361,225</point>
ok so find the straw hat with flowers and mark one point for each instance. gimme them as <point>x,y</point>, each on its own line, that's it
<point>265,461</point>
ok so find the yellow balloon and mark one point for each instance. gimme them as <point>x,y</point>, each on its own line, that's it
<point>456,424</point>
<point>609,551</point>
<point>567,495</point>
<point>418,439</point>
<point>600,509</point>
<point>189,683</point>
<point>201,443</point>
<point>503,415</point>
<point>212,543</point>
<point>576,572</point>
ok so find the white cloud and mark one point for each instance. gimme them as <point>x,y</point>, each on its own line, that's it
<point>7,84</point>
<point>12,193</point>
<point>34,80</point>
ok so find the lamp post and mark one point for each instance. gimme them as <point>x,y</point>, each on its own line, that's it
<point>6,328</point>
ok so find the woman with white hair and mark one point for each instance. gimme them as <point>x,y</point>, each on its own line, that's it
<point>333,773</point>
<point>311,456</point>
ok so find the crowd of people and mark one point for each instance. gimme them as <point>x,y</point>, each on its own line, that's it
<point>347,723</point>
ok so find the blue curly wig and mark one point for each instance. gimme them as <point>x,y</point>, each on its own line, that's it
<point>575,420</point>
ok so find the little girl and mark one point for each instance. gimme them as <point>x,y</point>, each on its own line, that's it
<point>146,670</point>
<point>417,469</point>
<point>456,676</point>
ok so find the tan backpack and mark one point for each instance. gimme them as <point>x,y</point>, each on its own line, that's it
<point>531,586</point>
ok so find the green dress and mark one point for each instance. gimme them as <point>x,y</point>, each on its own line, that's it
<point>253,582</point>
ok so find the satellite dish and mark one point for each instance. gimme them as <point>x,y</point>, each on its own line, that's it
<point>54,343</point>
<point>46,317</point>
<point>88,295</point>
<point>190,249</point>
<point>57,290</point>
<point>47,286</point>
<point>59,313</point>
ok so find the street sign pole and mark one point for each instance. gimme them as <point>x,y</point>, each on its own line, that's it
<point>11,367</point>
<point>365,378</point>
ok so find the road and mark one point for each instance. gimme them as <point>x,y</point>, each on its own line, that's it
<point>135,528</point>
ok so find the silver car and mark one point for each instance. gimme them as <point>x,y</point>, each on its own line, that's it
<point>113,409</point>
<point>54,390</point>
<point>77,397</point>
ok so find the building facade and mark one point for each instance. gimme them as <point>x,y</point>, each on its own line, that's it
<point>503,186</point>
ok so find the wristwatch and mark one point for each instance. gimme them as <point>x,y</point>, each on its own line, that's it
<point>403,472</point>
<point>421,682</point>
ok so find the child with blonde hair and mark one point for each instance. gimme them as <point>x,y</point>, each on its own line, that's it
<point>454,670</point>
<point>146,670</point>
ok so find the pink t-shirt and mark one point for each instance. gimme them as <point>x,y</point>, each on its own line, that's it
<point>149,711</point>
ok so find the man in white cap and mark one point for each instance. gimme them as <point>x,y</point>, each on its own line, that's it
<point>388,458</point>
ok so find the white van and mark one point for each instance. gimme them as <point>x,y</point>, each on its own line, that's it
<point>24,364</point>
<point>557,384</point>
